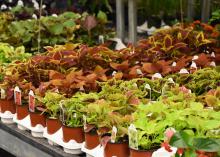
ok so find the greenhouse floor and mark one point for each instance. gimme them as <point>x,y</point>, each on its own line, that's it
<point>22,144</point>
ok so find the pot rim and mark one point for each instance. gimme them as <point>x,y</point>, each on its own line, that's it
<point>148,150</point>
<point>71,127</point>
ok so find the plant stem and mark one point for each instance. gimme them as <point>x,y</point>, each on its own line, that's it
<point>39,27</point>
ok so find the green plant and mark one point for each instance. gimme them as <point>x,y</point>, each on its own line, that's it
<point>193,146</point>
<point>215,16</point>
<point>73,107</point>
<point>52,103</point>
<point>176,111</point>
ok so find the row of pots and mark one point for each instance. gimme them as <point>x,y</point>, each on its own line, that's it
<point>92,140</point>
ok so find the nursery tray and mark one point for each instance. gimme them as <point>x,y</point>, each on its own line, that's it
<point>22,144</point>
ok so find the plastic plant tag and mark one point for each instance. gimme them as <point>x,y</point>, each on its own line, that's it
<point>174,64</point>
<point>183,71</point>
<point>213,64</point>
<point>193,65</point>
<point>157,76</point>
<point>139,72</point>
<point>195,57</point>
<point>169,133</point>
<point>114,134</point>
<point>135,85</point>
<point>81,89</point>
<point>84,122</point>
<point>147,86</point>
<point>213,54</point>
<point>113,73</point>
<point>31,101</point>
<point>133,136</point>
<point>170,81</point>
<point>3,94</point>
<point>74,115</point>
<point>101,39</point>
<point>62,111</point>
<point>17,95</point>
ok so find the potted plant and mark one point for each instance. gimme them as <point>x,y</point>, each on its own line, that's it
<point>116,142</point>
<point>22,107</point>
<point>96,113</point>
<point>51,101</point>
<point>36,112</point>
<point>6,101</point>
<point>73,117</point>
<point>189,145</point>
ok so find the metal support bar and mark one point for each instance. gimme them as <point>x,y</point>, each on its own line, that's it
<point>190,10</point>
<point>205,10</point>
<point>22,144</point>
<point>132,18</point>
<point>120,28</point>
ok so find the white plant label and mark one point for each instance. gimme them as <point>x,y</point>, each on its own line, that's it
<point>133,137</point>
<point>84,122</point>
<point>114,73</point>
<point>114,134</point>
<point>31,101</point>
<point>101,39</point>
<point>139,72</point>
<point>62,113</point>
<point>3,94</point>
<point>147,86</point>
<point>17,95</point>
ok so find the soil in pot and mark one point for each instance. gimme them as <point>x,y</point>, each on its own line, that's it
<point>71,133</point>
<point>37,118</point>
<point>22,111</point>
<point>116,149</point>
<point>53,125</point>
<point>140,153</point>
<point>7,105</point>
<point>91,140</point>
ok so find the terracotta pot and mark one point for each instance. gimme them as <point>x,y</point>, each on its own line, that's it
<point>37,118</point>
<point>116,149</point>
<point>70,133</point>
<point>7,105</point>
<point>22,111</point>
<point>140,153</point>
<point>208,154</point>
<point>91,140</point>
<point>53,125</point>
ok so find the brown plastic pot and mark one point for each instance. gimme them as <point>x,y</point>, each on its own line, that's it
<point>53,125</point>
<point>37,118</point>
<point>22,111</point>
<point>7,105</point>
<point>140,153</point>
<point>116,149</point>
<point>91,140</point>
<point>71,133</point>
<point>208,154</point>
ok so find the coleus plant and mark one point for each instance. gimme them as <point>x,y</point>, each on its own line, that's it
<point>72,108</point>
<point>51,102</point>
<point>173,111</point>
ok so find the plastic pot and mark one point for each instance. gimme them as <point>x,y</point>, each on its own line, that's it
<point>71,133</point>
<point>53,125</point>
<point>7,105</point>
<point>91,140</point>
<point>37,118</point>
<point>116,149</point>
<point>140,153</point>
<point>22,111</point>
